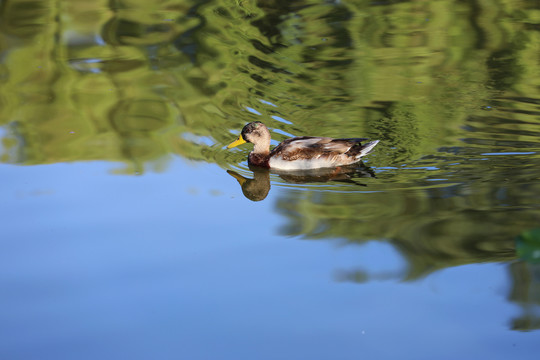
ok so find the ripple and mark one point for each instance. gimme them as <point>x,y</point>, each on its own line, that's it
<point>509,153</point>
<point>98,65</point>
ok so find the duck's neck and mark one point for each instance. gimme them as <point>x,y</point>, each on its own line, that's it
<point>260,154</point>
<point>262,147</point>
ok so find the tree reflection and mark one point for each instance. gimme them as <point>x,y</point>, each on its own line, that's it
<point>137,82</point>
<point>525,292</point>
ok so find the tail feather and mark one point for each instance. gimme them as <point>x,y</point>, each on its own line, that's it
<point>366,149</point>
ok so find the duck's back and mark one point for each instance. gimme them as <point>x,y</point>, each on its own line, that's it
<point>309,152</point>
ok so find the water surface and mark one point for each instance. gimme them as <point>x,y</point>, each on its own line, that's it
<point>125,235</point>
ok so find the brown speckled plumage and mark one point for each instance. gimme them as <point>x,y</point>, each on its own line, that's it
<point>261,160</point>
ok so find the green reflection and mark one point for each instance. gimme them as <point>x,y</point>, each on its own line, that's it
<point>525,292</point>
<point>528,245</point>
<point>135,81</point>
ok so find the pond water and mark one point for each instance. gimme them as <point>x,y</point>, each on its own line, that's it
<point>130,231</point>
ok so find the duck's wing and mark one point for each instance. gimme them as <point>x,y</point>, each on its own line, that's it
<point>317,152</point>
<point>309,147</point>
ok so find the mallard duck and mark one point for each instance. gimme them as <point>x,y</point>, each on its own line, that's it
<point>300,153</point>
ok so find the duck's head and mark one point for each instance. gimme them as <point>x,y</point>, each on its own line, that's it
<point>256,133</point>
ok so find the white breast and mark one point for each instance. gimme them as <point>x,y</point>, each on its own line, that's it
<point>280,164</point>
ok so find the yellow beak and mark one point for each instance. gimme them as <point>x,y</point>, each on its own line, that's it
<point>238,141</point>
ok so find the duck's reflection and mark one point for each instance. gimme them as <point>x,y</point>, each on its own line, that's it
<point>257,189</point>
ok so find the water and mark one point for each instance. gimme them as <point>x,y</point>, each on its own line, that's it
<point>128,230</point>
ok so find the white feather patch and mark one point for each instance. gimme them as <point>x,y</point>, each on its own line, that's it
<point>301,164</point>
<point>367,148</point>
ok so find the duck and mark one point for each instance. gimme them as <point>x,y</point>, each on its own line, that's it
<point>302,152</point>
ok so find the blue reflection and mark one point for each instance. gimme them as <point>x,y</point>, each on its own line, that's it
<point>252,110</point>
